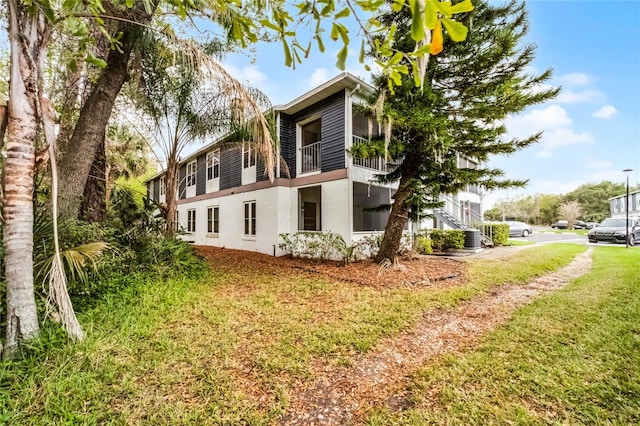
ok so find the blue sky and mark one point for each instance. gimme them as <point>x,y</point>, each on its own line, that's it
<point>592,129</point>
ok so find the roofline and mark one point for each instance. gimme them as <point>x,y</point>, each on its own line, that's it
<point>637,191</point>
<point>344,77</point>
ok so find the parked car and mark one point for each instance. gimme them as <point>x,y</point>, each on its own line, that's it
<point>561,224</point>
<point>591,225</point>
<point>614,230</point>
<point>518,229</point>
<point>578,224</point>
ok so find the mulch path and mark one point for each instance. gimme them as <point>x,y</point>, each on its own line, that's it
<point>412,270</point>
<point>343,395</point>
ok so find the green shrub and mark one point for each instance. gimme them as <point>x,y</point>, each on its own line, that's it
<point>423,245</point>
<point>498,232</point>
<point>446,240</point>
<point>329,246</point>
<point>314,245</point>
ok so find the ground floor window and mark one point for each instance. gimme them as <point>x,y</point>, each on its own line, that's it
<point>250,218</point>
<point>191,220</point>
<point>213,220</point>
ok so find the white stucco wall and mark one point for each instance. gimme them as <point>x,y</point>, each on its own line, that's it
<point>272,205</point>
<point>277,212</point>
<point>335,208</point>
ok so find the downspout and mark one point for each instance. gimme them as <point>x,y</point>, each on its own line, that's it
<point>349,160</point>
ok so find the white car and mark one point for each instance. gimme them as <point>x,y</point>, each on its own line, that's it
<point>519,229</point>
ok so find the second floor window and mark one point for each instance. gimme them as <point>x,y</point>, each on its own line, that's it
<point>248,155</point>
<point>163,186</point>
<point>250,218</point>
<point>213,165</point>
<point>191,173</point>
<point>191,220</point>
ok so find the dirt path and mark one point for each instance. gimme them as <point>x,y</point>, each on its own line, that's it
<point>340,396</point>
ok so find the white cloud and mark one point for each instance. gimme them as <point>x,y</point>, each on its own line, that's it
<point>557,138</point>
<point>578,88</point>
<point>605,112</point>
<point>556,125</point>
<point>319,76</point>
<point>563,137</point>
<point>610,175</point>
<point>576,79</point>
<point>598,164</point>
<point>545,153</point>
<point>551,117</point>
<point>574,97</point>
<point>248,74</point>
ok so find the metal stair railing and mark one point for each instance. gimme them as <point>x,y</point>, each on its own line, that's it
<point>452,220</point>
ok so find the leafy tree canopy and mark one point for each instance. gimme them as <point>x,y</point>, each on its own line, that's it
<point>468,90</point>
<point>594,199</point>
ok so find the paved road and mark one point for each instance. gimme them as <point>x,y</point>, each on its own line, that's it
<point>542,236</point>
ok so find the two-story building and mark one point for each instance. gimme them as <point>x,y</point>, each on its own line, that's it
<point>226,200</point>
<point>618,205</point>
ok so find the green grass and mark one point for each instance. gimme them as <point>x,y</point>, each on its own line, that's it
<point>567,231</point>
<point>225,349</point>
<point>572,357</point>
<point>519,242</point>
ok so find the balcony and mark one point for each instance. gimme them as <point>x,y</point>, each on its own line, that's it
<point>310,157</point>
<point>376,163</point>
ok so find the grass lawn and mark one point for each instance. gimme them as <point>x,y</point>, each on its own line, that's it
<point>519,242</point>
<point>226,349</point>
<point>566,231</point>
<point>572,357</point>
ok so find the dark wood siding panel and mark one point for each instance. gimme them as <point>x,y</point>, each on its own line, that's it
<point>260,172</point>
<point>332,114</point>
<point>287,145</point>
<point>231,167</point>
<point>333,131</point>
<point>201,174</point>
<point>156,190</point>
<point>182,179</point>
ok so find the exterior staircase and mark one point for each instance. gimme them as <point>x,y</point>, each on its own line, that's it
<point>446,216</point>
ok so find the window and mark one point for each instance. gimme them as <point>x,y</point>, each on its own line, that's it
<point>163,186</point>
<point>248,155</point>
<point>213,164</point>
<point>191,220</point>
<point>250,218</point>
<point>213,220</point>
<point>191,173</point>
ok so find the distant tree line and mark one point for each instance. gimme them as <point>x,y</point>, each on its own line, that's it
<point>545,209</point>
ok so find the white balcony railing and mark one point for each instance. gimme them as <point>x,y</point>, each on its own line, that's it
<point>375,163</point>
<point>310,157</point>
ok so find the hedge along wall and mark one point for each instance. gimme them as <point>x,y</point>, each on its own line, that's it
<point>499,233</point>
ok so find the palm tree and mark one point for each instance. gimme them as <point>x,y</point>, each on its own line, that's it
<point>570,211</point>
<point>26,37</point>
<point>186,101</point>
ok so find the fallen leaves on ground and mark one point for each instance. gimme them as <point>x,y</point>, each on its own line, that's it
<point>411,271</point>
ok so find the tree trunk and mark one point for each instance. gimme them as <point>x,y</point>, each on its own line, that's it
<point>4,118</point>
<point>171,182</point>
<point>93,207</point>
<point>93,119</point>
<point>19,164</point>
<point>397,220</point>
<point>90,129</point>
